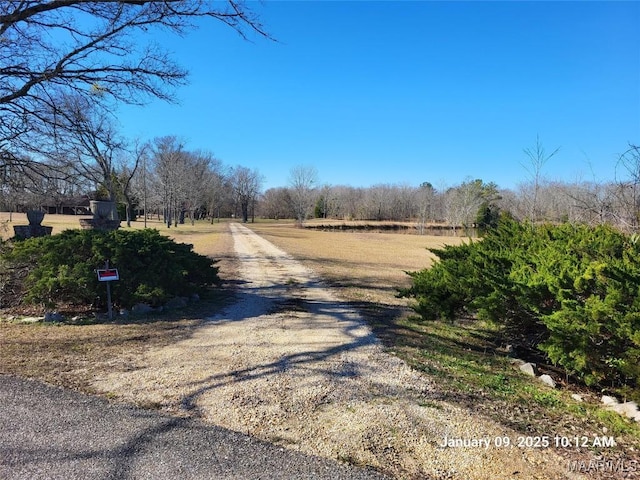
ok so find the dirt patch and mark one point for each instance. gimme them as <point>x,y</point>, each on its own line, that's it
<point>289,363</point>
<point>70,356</point>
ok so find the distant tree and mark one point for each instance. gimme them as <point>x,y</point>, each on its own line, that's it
<point>302,185</point>
<point>628,187</point>
<point>487,217</point>
<point>592,203</point>
<point>169,161</point>
<point>407,202</point>
<point>125,178</point>
<point>346,202</point>
<point>425,203</point>
<point>378,202</point>
<point>196,177</point>
<point>325,202</point>
<point>246,184</point>
<point>217,190</point>
<point>276,203</point>
<point>537,158</point>
<point>463,203</point>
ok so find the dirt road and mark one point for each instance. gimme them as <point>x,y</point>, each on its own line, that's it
<point>291,364</point>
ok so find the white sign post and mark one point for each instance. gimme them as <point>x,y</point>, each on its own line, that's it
<point>108,275</point>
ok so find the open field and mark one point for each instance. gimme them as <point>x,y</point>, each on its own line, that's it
<point>204,236</point>
<point>365,266</point>
<point>58,222</point>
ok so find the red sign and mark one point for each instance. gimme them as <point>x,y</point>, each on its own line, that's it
<point>108,275</point>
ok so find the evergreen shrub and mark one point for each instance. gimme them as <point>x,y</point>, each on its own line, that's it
<point>152,268</point>
<point>571,291</point>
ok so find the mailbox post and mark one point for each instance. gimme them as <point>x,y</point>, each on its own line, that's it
<point>108,275</point>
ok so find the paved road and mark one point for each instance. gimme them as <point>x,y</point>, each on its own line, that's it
<point>52,433</point>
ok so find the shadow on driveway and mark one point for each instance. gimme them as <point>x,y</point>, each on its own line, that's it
<point>52,433</point>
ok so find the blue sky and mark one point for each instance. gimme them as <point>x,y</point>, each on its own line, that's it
<point>407,92</point>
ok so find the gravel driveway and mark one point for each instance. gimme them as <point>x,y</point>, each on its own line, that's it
<point>290,364</point>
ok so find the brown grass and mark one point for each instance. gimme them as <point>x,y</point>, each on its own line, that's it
<point>70,355</point>
<point>198,232</point>
<point>365,266</point>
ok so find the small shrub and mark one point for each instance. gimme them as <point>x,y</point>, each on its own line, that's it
<point>152,267</point>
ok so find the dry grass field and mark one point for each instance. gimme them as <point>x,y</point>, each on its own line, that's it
<point>365,266</point>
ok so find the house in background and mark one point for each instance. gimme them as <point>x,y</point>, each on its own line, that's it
<point>67,205</point>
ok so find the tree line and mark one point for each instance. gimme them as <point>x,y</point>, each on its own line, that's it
<point>161,179</point>
<point>473,202</point>
<point>165,179</point>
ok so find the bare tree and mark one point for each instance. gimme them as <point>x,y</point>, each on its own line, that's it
<point>218,191</point>
<point>185,179</point>
<point>22,189</point>
<point>628,187</point>
<point>592,203</point>
<point>348,202</point>
<point>169,166</point>
<point>406,197</point>
<point>425,202</point>
<point>302,184</point>
<point>246,188</point>
<point>276,203</point>
<point>201,176</point>
<point>326,202</point>
<point>80,136</point>
<point>377,201</point>
<point>190,183</point>
<point>464,201</point>
<point>50,49</point>
<point>537,159</point>
<point>125,177</point>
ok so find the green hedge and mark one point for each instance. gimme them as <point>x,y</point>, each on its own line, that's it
<point>571,291</point>
<point>152,267</point>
